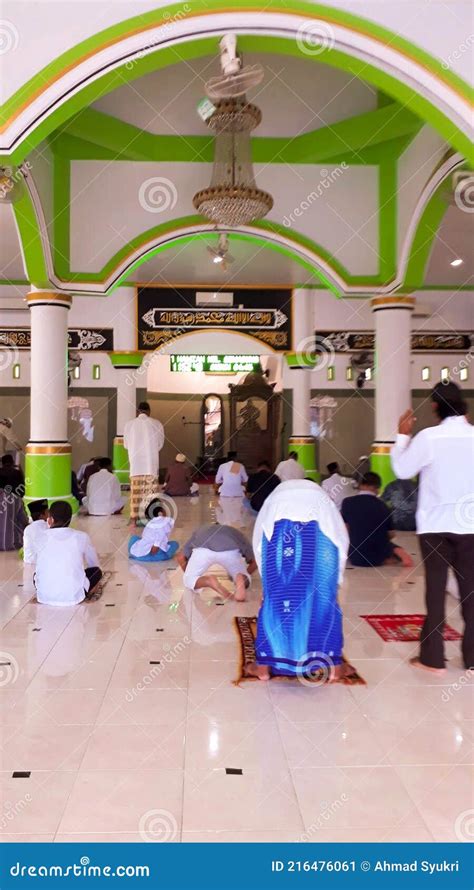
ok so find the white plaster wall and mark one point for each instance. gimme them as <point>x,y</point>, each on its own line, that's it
<point>415,167</point>
<point>323,203</point>
<point>67,23</point>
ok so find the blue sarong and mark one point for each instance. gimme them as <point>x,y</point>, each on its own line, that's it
<point>160,556</point>
<point>300,622</point>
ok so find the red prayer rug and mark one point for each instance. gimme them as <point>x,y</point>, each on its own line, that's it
<point>404,628</point>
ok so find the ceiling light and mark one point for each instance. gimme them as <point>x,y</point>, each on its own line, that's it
<point>457,262</point>
<point>218,259</point>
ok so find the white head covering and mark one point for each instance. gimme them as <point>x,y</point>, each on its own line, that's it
<point>180,458</point>
<point>301,501</point>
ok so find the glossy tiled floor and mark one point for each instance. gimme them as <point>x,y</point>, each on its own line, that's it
<point>116,748</point>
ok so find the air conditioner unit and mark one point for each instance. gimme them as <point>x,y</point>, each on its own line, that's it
<point>214,298</point>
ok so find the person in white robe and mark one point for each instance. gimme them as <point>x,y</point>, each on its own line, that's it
<point>143,438</point>
<point>103,491</point>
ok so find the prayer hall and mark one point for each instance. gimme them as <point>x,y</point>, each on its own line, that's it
<point>236,431</point>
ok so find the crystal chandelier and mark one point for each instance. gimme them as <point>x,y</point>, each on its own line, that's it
<point>233,199</point>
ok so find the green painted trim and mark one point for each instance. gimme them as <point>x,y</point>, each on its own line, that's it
<point>300,360</point>
<point>423,240</point>
<point>48,476</point>
<point>120,463</point>
<point>454,287</point>
<point>207,46</point>
<point>123,141</point>
<point>30,239</point>
<point>381,464</point>
<point>14,281</point>
<point>62,216</point>
<point>126,359</point>
<point>307,458</point>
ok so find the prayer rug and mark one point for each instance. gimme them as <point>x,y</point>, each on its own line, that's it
<point>404,628</point>
<point>246,628</point>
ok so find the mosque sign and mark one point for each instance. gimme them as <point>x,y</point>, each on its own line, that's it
<point>215,364</point>
<point>167,313</point>
<point>421,341</point>
<point>82,339</point>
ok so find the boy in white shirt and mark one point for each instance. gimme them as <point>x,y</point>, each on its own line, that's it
<point>33,536</point>
<point>154,544</point>
<point>67,565</point>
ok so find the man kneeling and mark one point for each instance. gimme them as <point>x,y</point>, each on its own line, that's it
<point>221,545</point>
<point>67,569</point>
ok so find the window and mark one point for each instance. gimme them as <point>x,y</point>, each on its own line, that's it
<point>463,374</point>
<point>368,374</point>
<point>331,373</point>
<point>444,373</point>
<point>16,371</point>
<point>96,372</point>
<point>77,373</point>
<point>426,373</point>
<point>349,373</point>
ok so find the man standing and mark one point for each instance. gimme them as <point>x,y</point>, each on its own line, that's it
<point>443,455</point>
<point>143,438</point>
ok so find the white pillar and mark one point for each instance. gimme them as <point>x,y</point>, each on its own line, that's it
<point>392,317</point>
<point>48,453</point>
<point>301,363</point>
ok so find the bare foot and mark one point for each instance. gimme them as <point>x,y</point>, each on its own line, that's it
<point>417,663</point>
<point>341,672</point>
<point>213,582</point>
<point>240,588</point>
<point>261,671</point>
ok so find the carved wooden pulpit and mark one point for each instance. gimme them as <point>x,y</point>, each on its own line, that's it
<point>255,421</point>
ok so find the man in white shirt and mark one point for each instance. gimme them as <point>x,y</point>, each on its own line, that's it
<point>103,491</point>
<point>143,438</point>
<point>290,469</point>
<point>67,568</point>
<point>443,455</point>
<point>337,487</point>
<point>34,534</point>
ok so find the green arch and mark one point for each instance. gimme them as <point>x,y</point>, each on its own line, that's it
<point>195,48</point>
<point>422,243</point>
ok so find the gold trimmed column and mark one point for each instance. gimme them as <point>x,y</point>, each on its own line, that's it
<point>127,364</point>
<point>48,453</point>
<point>392,317</point>
<point>301,364</point>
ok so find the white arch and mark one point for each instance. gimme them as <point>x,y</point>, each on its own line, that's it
<point>266,22</point>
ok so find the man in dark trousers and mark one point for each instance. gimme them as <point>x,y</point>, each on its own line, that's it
<point>443,455</point>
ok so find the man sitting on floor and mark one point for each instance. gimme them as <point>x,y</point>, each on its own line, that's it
<point>369,523</point>
<point>34,534</point>
<point>260,485</point>
<point>13,520</point>
<point>11,476</point>
<point>67,569</point>
<point>103,491</point>
<point>290,468</point>
<point>217,545</point>
<point>154,544</point>
<point>336,486</point>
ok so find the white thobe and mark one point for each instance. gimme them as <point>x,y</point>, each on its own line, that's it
<point>143,438</point>
<point>60,577</point>
<point>33,540</point>
<point>103,494</point>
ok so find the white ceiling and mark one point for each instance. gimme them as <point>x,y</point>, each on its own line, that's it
<point>296,96</point>
<point>11,263</point>
<point>454,239</point>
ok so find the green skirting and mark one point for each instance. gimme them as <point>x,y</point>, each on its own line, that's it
<point>381,464</point>
<point>49,476</point>
<point>305,448</point>
<point>120,462</point>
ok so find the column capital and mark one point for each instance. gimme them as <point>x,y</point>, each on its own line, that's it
<point>127,359</point>
<point>392,301</point>
<point>48,298</point>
